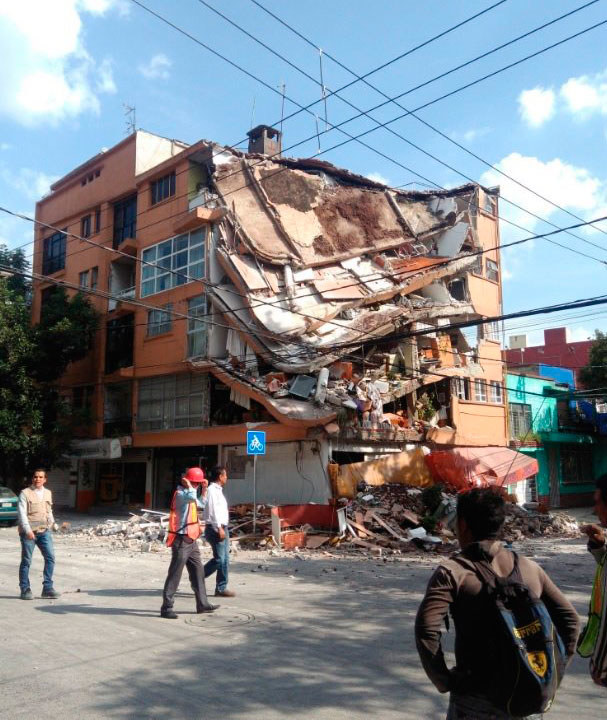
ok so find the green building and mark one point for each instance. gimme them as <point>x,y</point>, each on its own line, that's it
<point>545,422</point>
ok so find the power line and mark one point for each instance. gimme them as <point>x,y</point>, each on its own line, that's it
<point>382,125</point>
<point>259,301</point>
<point>434,128</point>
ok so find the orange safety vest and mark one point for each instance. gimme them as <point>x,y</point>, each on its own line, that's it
<point>191,526</point>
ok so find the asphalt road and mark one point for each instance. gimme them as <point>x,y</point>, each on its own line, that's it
<point>321,638</point>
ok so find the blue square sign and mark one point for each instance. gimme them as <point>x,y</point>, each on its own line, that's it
<point>256,442</point>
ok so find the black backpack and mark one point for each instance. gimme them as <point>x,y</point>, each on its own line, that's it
<point>526,654</point>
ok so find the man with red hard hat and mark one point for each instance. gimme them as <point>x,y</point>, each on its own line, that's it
<point>184,531</point>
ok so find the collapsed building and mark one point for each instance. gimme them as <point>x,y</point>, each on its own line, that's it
<point>317,305</point>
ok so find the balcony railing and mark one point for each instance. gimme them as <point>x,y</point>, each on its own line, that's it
<point>128,294</point>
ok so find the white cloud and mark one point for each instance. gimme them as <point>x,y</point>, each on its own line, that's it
<point>470,135</point>
<point>586,95</point>
<point>571,187</point>
<point>33,184</point>
<point>14,231</point>
<point>579,334</point>
<point>536,106</point>
<point>5,146</point>
<point>378,178</point>
<point>157,67</point>
<point>48,74</point>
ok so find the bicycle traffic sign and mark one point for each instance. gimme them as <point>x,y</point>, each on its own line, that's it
<point>256,442</point>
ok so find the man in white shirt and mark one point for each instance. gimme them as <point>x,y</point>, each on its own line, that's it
<point>36,519</point>
<point>216,518</point>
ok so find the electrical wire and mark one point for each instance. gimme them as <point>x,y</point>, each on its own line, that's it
<point>434,128</point>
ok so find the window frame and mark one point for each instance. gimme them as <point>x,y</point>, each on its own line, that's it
<point>160,321</point>
<point>86,226</point>
<point>162,188</point>
<point>496,392</point>
<point>492,273</point>
<point>480,391</point>
<point>83,279</point>
<point>162,400</point>
<point>167,271</point>
<point>197,328</point>
<point>125,220</point>
<point>462,388</point>
<point>53,259</point>
<point>520,413</point>
<point>94,277</point>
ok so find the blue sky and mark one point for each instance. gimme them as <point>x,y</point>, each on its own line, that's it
<point>69,67</point>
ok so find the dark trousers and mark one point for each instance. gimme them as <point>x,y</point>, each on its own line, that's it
<point>185,554</point>
<point>221,557</point>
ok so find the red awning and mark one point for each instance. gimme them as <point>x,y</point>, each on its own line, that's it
<point>466,467</point>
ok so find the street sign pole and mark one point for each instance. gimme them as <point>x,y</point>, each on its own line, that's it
<point>254,494</point>
<point>256,445</point>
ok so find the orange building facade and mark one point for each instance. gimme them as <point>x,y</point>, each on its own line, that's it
<point>199,338</point>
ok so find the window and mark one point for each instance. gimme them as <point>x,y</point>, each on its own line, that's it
<point>53,258</point>
<point>197,329</point>
<point>94,278</point>
<point>520,419</point>
<point>480,391</point>
<point>85,226</point>
<point>173,401</point>
<point>120,334</point>
<point>83,279</point>
<point>490,330</point>
<point>576,464</point>
<point>160,321</point>
<point>477,268</point>
<point>462,388</point>
<point>97,219</point>
<point>495,392</point>
<point>125,219</point>
<point>489,204</point>
<point>493,272</point>
<point>82,397</point>
<point>184,255</point>
<point>163,188</point>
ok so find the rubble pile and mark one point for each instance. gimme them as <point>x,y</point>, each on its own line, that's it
<point>145,532</point>
<point>524,522</point>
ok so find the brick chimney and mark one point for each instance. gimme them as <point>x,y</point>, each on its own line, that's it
<point>265,140</point>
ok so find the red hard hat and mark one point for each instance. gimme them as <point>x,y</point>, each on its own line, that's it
<point>194,475</point>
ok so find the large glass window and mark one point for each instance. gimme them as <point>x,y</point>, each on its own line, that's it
<point>197,329</point>
<point>184,255</point>
<point>125,219</point>
<point>520,419</point>
<point>173,401</point>
<point>493,272</point>
<point>53,257</point>
<point>163,188</point>
<point>160,321</point>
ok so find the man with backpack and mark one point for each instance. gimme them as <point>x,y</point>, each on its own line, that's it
<point>514,629</point>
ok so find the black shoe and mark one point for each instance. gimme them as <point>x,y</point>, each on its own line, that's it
<point>52,594</point>
<point>168,614</point>
<point>207,609</point>
<point>27,595</point>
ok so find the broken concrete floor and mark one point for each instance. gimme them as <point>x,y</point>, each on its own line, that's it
<point>323,637</point>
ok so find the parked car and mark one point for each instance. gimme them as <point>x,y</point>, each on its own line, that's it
<point>8,506</point>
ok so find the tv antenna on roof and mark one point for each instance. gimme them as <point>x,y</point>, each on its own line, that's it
<point>131,118</point>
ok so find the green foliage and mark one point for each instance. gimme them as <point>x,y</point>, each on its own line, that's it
<point>35,422</point>
<point>429,523</point>
<point>594,374</point>
<point>15,259</point>
<point>432,497</point>
<point>65,334</point>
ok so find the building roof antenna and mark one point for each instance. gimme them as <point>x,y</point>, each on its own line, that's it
<point>131,118</point>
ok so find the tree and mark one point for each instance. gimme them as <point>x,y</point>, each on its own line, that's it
<point>35,421</point>
<point>594,374</point>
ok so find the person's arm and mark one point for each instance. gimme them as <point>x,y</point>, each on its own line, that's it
<point>50,517</point>
<point>428,625</point>
<point>24,525</point>
<point>562,613</point>
<point>596,540</point>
